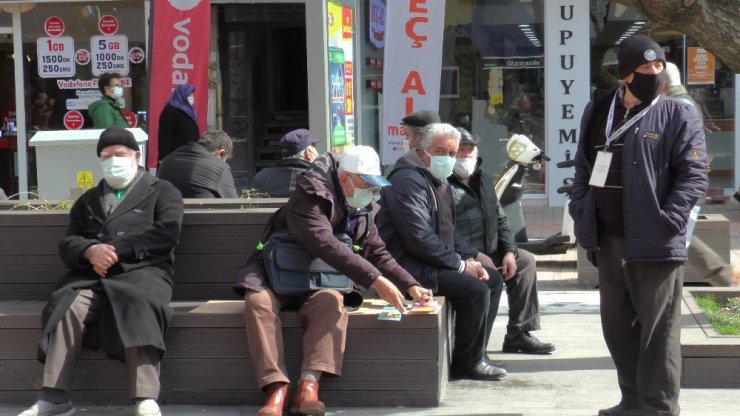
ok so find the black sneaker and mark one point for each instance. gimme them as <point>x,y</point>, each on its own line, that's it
<point>527,344</point>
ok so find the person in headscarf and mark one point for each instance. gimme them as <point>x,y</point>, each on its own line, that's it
<point>178,123</point>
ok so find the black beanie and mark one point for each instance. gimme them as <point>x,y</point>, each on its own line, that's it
<point>116,135</point>
<point>637,50</point>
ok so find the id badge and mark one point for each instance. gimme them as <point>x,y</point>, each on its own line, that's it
<point>601,169</point>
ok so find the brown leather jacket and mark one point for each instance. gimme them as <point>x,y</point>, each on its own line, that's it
<point>314,212</point>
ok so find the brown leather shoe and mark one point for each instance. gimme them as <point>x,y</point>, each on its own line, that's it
<point>306,400</point>
<point>275,400</point>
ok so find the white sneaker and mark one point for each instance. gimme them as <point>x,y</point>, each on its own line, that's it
<point>44,408</point>
<point>147,407</point>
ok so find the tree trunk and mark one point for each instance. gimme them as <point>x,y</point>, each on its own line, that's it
<point>715,24</point>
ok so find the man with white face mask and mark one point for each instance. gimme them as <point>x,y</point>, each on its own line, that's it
<point>334,196</point>
<point>119,251</point>
<point>417,222</point>
<point>106,112</point>
<point>481,221</point>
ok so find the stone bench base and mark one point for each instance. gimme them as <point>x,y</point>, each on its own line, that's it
<point>386,363</point>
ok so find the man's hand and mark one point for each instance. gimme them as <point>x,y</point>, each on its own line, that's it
<point>508,265</point>
<point>101,257</point>
<point>485,260</point>
<point>475,270</point>
<point>420,295</point>
<point>389,293</point>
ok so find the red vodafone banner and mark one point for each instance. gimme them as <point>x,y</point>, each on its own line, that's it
<point>179,55</point>
<point>412,68</point>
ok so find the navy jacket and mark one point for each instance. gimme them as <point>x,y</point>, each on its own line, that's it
<point>197,173</point>
<point>664,173</point>
<point>410,222</point>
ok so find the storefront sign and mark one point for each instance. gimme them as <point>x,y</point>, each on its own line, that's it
<point>108,25</point>
<point>82,57</point>
<point>514,62</point>
<point>131,118</point>
<point>567,74</point>
<point>700,66</point>
<point>179,38</point>
<point>136,55</point>
<point>54,26</point>
<point>412,67</point>
<point>376,23</point>
<point>56,57</point>
<point>341,104</point>
<point>73,120</point>
<point>109,54</point>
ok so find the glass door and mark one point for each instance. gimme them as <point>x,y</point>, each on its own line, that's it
<point>8,126</point>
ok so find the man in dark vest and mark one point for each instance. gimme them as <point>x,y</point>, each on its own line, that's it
<point>481,221</point>
<point>299,151</point>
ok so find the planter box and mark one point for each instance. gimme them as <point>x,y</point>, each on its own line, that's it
<point>714,229</point>
<point>708,359</point>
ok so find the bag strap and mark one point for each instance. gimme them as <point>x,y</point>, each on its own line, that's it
<point>268,229</point>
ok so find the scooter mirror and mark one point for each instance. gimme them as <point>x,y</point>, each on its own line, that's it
<point>521,150</point>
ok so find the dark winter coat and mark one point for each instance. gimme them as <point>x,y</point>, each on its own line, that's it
<point>280,180</point>
<point>144,229</point>
<point>105,113</point>
<point>664,173</point>
<point>197,173</point>
<point>314,212</point>
<point>478,200</point>
<point>417,221</point>
<point>175,129</point>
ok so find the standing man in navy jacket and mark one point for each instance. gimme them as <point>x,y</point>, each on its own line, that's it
<point>640,168</point>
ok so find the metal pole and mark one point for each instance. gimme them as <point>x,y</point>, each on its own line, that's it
<point>20,106</point>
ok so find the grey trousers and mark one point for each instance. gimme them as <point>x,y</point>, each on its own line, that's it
<point>708,264</point>
<point>521,292</point>
<point>66,344</point>
<point>641,321</point>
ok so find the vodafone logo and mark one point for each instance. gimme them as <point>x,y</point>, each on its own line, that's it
<point>184,5</point>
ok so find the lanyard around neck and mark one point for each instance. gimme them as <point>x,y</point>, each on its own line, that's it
<point>611,136</point>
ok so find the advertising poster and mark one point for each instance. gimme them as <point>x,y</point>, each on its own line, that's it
<point>412,68</point>
<point>700,66</point>
<point>341,84</point>
<point>180,49</point>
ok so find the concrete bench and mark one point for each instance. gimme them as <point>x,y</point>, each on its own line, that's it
<point>386,364</point>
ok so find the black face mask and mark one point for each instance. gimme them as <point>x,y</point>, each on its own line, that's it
<point>645,87</point>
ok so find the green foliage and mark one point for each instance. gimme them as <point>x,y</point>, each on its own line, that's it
<point>42,204</point>
<point>250,193</point>
<point>723,314</point>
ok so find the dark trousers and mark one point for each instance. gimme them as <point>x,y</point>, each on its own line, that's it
<point>475,303</point>
<point>521,292</point>
<point>641,320</point>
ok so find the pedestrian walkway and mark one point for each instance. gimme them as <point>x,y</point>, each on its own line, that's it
<point>576,380</point>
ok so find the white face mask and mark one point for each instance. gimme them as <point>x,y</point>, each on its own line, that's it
<point>191,99</point>
<point>464,168</point>
<point>361,198</point>
<point>119,171</point>
<point>117,92</point>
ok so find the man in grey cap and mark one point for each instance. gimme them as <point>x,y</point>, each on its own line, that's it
<point>299,151</point>
<point>641,165</point>
<point>413,123</point>
<point>480,220</point>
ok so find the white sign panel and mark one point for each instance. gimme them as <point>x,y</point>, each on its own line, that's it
<point>56,57</point>
<point>109,54</point>
<point>567,85</point>
<point>412,67</point>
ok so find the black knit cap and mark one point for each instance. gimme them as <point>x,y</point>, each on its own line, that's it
<point>637,50</point>
<point>116,135</point>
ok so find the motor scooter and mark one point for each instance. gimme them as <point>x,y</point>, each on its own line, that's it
<point>525,155</point>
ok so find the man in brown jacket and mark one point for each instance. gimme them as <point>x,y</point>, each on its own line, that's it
<point>333,196</point>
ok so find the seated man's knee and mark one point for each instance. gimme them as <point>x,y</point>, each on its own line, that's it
<point>263,300</point>
<point>328,302</point>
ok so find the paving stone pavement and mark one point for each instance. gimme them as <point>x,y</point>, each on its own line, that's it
<point>576,380</point>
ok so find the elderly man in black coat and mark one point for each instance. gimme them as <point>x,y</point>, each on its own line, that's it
<point>115,296</point>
